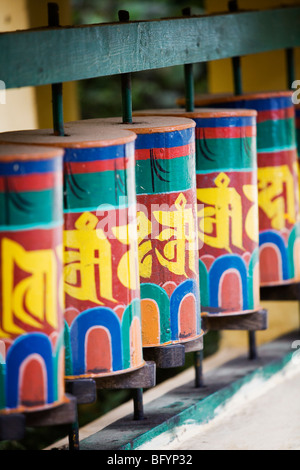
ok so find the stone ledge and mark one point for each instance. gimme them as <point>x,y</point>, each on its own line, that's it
<point>184,405</point>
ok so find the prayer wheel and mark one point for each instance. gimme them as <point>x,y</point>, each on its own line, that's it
<point>100,259</point>
<point>226,167</point>
<point>31,310</point>
<point>167,237</point>
<point>278,191</point>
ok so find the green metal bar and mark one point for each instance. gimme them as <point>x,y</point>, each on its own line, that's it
<point>56,88</point>
<point>236,61</point>
<point>252,346</point>
<point>126,98</point>
<point>291,73</point>
<point>74,436</point>
<point>57,109</point>
<point>57,55</point>
<point>138,404</point>
<point>126,82</point>
<point>198,362</point>
<point>189,87</point>
<point>189,78</point>
<point>237,75</point>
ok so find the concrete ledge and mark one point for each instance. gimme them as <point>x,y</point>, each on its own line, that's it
<point>182,407</point>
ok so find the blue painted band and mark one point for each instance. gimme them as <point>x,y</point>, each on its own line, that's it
<point>165,139</point>
<point>232,121</point>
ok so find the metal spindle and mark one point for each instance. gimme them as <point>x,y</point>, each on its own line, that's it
<point>238,90</point>
<point>189,78</point>
<point>57,88</point>
<point>127,119</point>
<point>126,82</point>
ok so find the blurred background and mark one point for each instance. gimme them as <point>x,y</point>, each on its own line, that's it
<point>29,108</point>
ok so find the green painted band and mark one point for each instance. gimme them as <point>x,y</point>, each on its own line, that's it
<point>237,154</point>
<point>165,176</point>
<point>29,209</point>
<point>90,190</point>
<point>276,134</point>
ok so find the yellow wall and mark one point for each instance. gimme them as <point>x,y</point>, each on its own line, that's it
<point>261,72</point>
<point>29,108</point>
<point>38,16</point>
<point>18,112</point>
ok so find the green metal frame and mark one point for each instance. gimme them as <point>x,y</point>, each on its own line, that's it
<point>62,54</point>
<point>55,55</point>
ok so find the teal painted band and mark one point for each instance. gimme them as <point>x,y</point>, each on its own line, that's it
<point>90,190</point>
<point>171,175</point>
<point>25,227</point>
<point>101,207</point>
<point>220,170</point>
<point>31,208</point>
<point>238,153</point>
<point>280,133</point>
<point>276,149</point>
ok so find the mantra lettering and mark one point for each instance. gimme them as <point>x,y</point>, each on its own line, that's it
<point>276,195</point>
<point>92,259</point>
<point>175,246</point>
<point>221,221</point>
<point>29,288</point>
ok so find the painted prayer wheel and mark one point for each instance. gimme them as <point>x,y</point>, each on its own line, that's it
<point>167,241</point>
<point>226,167</point>
<point>31,310</point>
<point>278,191</point>
<point>100,277</point>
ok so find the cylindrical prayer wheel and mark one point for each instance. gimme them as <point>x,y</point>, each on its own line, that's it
<point>167,237</point>
<point>100,275</point>
<point>278,192</point>
<point>31,309</point>
<point>226,167</point>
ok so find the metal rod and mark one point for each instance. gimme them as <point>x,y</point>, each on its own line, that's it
<point>198,360</point>
<point>238,90</point>
<point>126,98</point>
<point>57,93</point>
<point>126,82</point>
<point>74,433</point>
<point>189,107</point>
<point>252,346</point>
<point>57,109</point>
<point>291,73</point>
<point>138,404</point>
<point>189,88</point>
<point>236,61</point>
<point>189,78</point>
<point>127,119</point>
<point>74,436</point>
<point>237,75</point>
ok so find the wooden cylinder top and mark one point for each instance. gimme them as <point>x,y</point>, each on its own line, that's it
<point>141,125</point>
<point>12,152</point>
<point>198,113</point>
<point>76,137</point>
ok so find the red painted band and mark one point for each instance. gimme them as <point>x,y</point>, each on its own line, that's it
<point>165,153</point>
<point>225,132</point>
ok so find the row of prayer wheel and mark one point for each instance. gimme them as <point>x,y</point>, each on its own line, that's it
<point>118,237</point>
